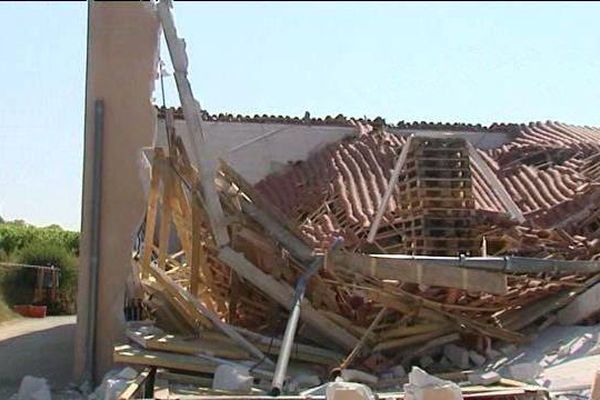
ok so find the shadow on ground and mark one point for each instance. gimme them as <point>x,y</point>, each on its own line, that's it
<point>45,353</point>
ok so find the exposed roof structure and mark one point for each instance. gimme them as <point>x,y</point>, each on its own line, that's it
<point>549,169</point>
<point>543,169</point>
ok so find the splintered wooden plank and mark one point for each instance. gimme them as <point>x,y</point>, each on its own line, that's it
<point>495,184</point>
<point>153,196</point>
<point>197,363</point>
<point>131,355</point>
<point>165,220</point>
<point>189,379</point>
<point>191,111</point>
<point>255,196</point>
<point>363,340</point>
<point>394,301</point>
<point>134,386</point>
<point>181,215</point>
<point>269,218</point>
<point>301,351</point>
<point>284,295</point>
<point>386,267</point>
<point>161,341</point>
<point>197,258</point>
<point>169,308</point>
<point>194,304</point>
<point>389,190</point>
<point>411,340</point>
<point>403,331</point>
<point>191,315</point>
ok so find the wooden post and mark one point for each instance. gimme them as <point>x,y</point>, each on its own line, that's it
<point>151,213</point>
<point>39,284</point>
<point>388,192</point>
<point>191,112</point>
<point>197,307</point>
<point>54,283</point>
<point>495,184</point>
<point>165,220</point>
<point>197,252</point>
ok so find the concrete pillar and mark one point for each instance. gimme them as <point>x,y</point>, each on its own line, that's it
<point>121,63</point>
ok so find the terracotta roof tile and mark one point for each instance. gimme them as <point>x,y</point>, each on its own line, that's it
<point>342,120</point>
<point>539,169</point>
<point>339,189</point>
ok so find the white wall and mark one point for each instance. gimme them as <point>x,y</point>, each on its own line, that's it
<point>256,150</point>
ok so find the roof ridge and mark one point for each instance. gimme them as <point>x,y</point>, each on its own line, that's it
<point>342,120</point>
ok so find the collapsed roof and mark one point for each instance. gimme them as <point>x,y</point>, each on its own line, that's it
<point>548,169</point>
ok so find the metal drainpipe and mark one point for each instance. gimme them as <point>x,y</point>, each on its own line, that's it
<point>290,330</point>
<point>90,370</point>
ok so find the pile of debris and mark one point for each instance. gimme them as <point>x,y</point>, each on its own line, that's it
<point>383,251</point>
<point>366,317</point>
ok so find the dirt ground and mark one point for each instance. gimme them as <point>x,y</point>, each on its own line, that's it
<point>38,347</point>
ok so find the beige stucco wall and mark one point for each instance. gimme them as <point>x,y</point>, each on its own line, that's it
<point>122,50</point>
<point>257,150</point>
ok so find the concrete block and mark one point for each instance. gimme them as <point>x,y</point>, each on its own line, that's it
<point>348,391</point>
<point>422,386</point>
<point>457,355</point>
<point>525,372</point>
<point>433,393</point>
<point>485,378</point>
<point>476,358</point>
<point>232,379</point>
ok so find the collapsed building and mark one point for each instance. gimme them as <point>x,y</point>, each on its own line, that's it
<point>306,247</point>
<point>485,232</point>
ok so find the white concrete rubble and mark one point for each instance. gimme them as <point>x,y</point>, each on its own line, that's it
<point>422,386</point>
<point>340,390</point>
<point>484,378</point>
<point>232,379</point>
<point>33,388</point>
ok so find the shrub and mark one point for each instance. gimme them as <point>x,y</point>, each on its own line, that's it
<point>19,284</point>
<point>51,245</point>
<point>14,236</point>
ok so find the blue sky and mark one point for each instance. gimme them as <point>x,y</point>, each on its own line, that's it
<point>467,62</point>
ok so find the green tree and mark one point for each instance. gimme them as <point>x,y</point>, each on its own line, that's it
<point>51,245</point>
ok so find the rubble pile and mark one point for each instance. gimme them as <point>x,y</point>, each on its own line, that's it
<point>398,311</point>
<point>389,249</point>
